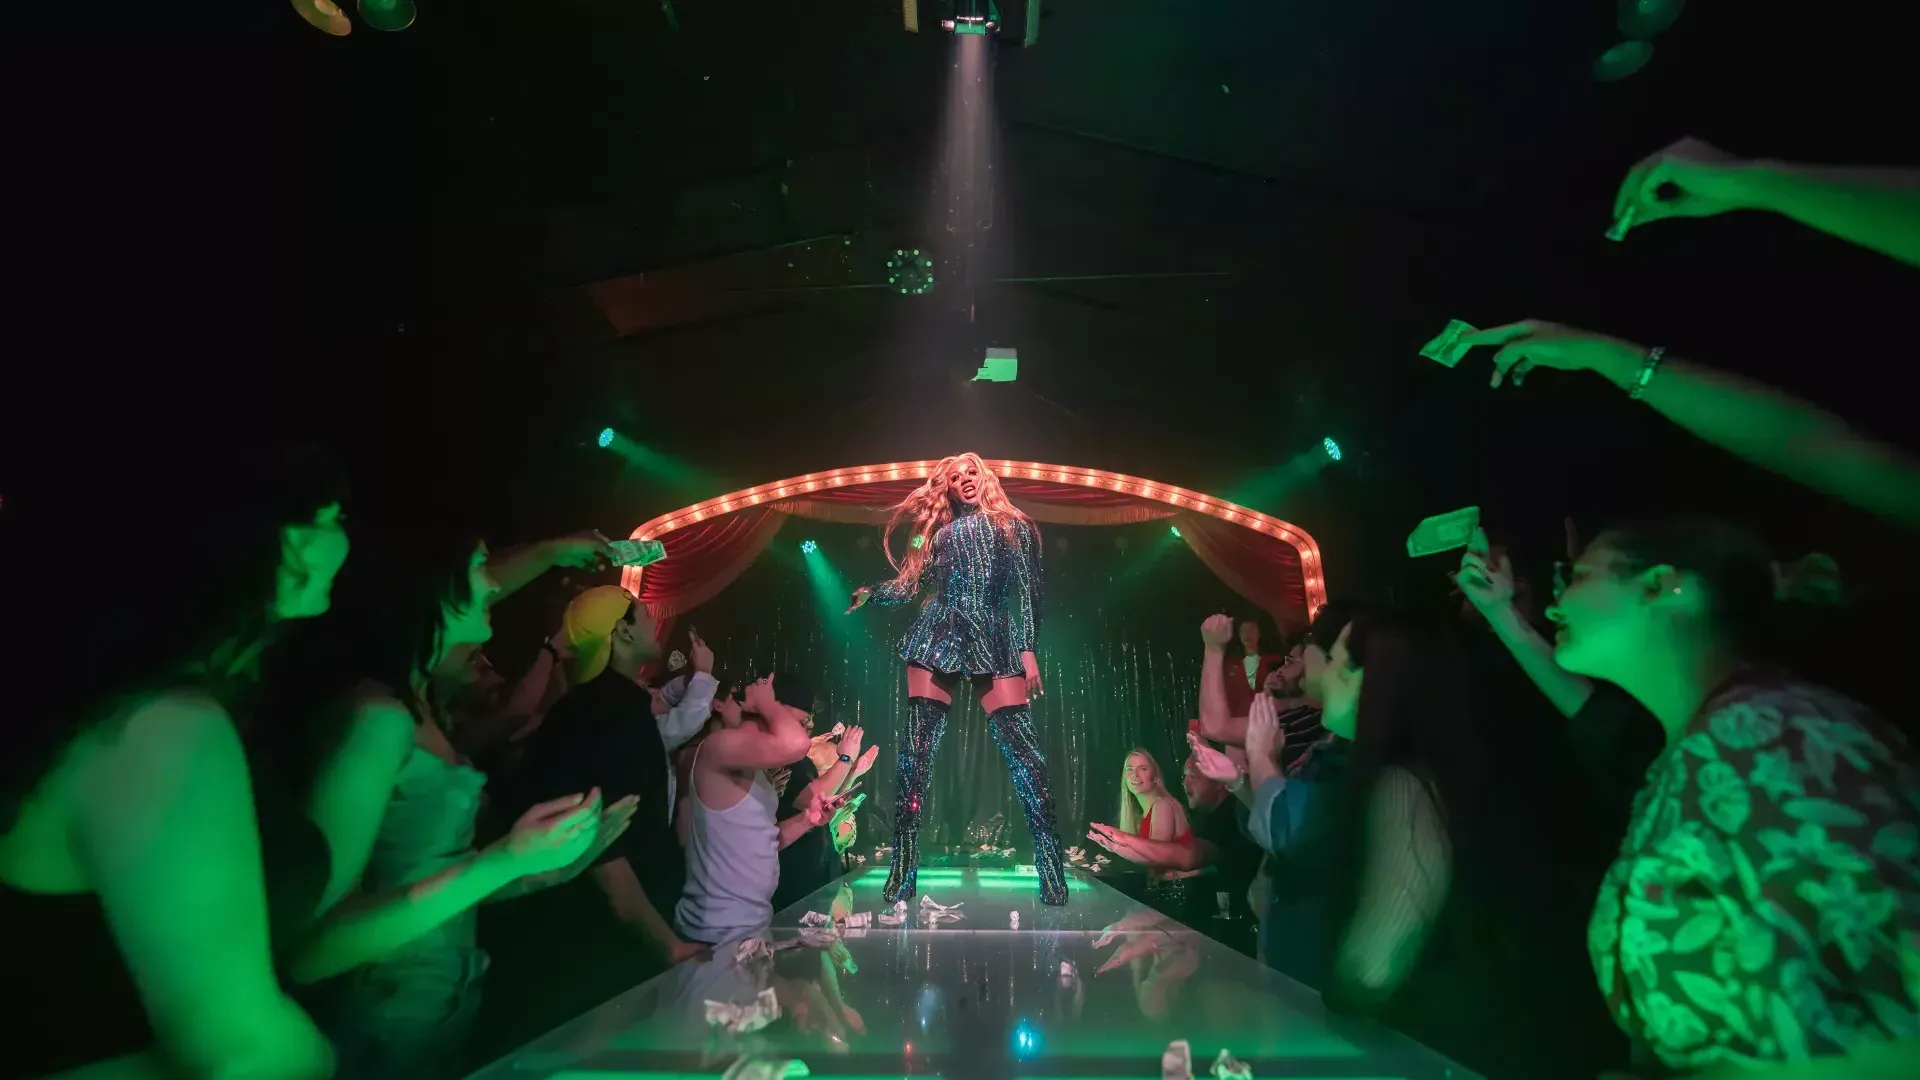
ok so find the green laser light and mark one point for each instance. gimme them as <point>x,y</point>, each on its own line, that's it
<point>808,547</point>
<point>606,438</point>
<point>1332,448</point>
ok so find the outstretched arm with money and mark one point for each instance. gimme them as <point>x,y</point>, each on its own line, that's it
<point>1798,440</point>
<point>1877,209</point>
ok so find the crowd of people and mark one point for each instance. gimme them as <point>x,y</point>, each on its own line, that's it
<point>256,842</point>
<point>251,811</point>
<point>1733,842</point>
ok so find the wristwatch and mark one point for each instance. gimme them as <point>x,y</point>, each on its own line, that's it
<point>844,757</point>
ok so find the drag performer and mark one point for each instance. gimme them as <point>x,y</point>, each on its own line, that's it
<point>983,556</point>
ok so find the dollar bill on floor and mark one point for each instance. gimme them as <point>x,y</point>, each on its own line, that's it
<point>1447,349</point>
<point>1443,532</point>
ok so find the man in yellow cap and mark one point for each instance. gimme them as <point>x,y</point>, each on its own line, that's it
<point>569,948</point>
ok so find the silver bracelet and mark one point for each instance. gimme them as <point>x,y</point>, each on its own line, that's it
<point>1647,368</point>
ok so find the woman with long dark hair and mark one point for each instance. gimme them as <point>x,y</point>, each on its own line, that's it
<point>1763,914</point>
<point>396,937</point>
<point>981,622</point>
<point>1431,920</point>
<point>145,878</point>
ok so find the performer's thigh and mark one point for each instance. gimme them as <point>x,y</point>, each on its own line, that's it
<point>922,682</point>
<point>1006,690</point>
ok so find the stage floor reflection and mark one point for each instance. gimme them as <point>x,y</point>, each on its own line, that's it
<point>1002,987</point>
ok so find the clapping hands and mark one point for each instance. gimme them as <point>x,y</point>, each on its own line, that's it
<point>1212,764</point>
<point>1265,739</point>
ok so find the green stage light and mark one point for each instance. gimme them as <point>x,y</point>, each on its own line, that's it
<point>808,547</point>
<point>1174,529</point>
<point>919,541</point>
<point>606,438</point>
<point>1332,448</point>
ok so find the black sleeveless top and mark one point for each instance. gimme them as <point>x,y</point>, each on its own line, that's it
<point>74,999</point>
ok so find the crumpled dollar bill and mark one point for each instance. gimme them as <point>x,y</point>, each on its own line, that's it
<point>893,916</point>
<point>752,1067</point>
<point>741,1019</point>
<point>815,918</point>
<point>1228,1067</point>
<point>1176,1061</point>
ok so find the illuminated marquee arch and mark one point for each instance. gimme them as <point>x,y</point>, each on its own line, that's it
<point>797,487</point>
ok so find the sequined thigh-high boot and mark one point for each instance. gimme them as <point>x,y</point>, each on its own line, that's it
<point>1013,733</point>
<point>926,722</point>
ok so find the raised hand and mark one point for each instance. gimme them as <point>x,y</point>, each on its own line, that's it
<point>759,696</point>
<point>553,834</point>
<point>850,741</point>
<point>859,599</point>
<point>1486,580</point>
<point>1530,343</point>
<point>866,761</point>
<point>702,657</point>
<point>1688,179</point>
<point>1212,764</point>
<point>1217,631</point>
<point>582,549</point>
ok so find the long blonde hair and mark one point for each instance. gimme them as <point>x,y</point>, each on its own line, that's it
<point>930,506</point>
<point>1130,814</point>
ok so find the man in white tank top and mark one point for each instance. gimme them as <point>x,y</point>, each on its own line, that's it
<point>734,841</point>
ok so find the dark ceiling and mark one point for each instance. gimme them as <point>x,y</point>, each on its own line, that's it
<point>390,235</point>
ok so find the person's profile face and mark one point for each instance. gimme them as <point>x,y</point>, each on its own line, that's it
<point>311,556</point>
<point>1340,690</point>
<point>1250,636</point>
<point>1313,669</point>
<point>1600,618</point>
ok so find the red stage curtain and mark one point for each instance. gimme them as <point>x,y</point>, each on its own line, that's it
<point>1110,510</point>
<point>704,558</point>
<point>1257,566</point>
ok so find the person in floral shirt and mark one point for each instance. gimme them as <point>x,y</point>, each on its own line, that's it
<point>1763,909</point>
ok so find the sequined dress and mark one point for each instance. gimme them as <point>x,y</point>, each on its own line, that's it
<point>984,610</point>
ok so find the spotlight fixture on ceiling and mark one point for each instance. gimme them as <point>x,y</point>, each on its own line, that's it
<point>971,17</point>
<point>1641,19</point>
<point>808,547</point>
<point>1331,448</point>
